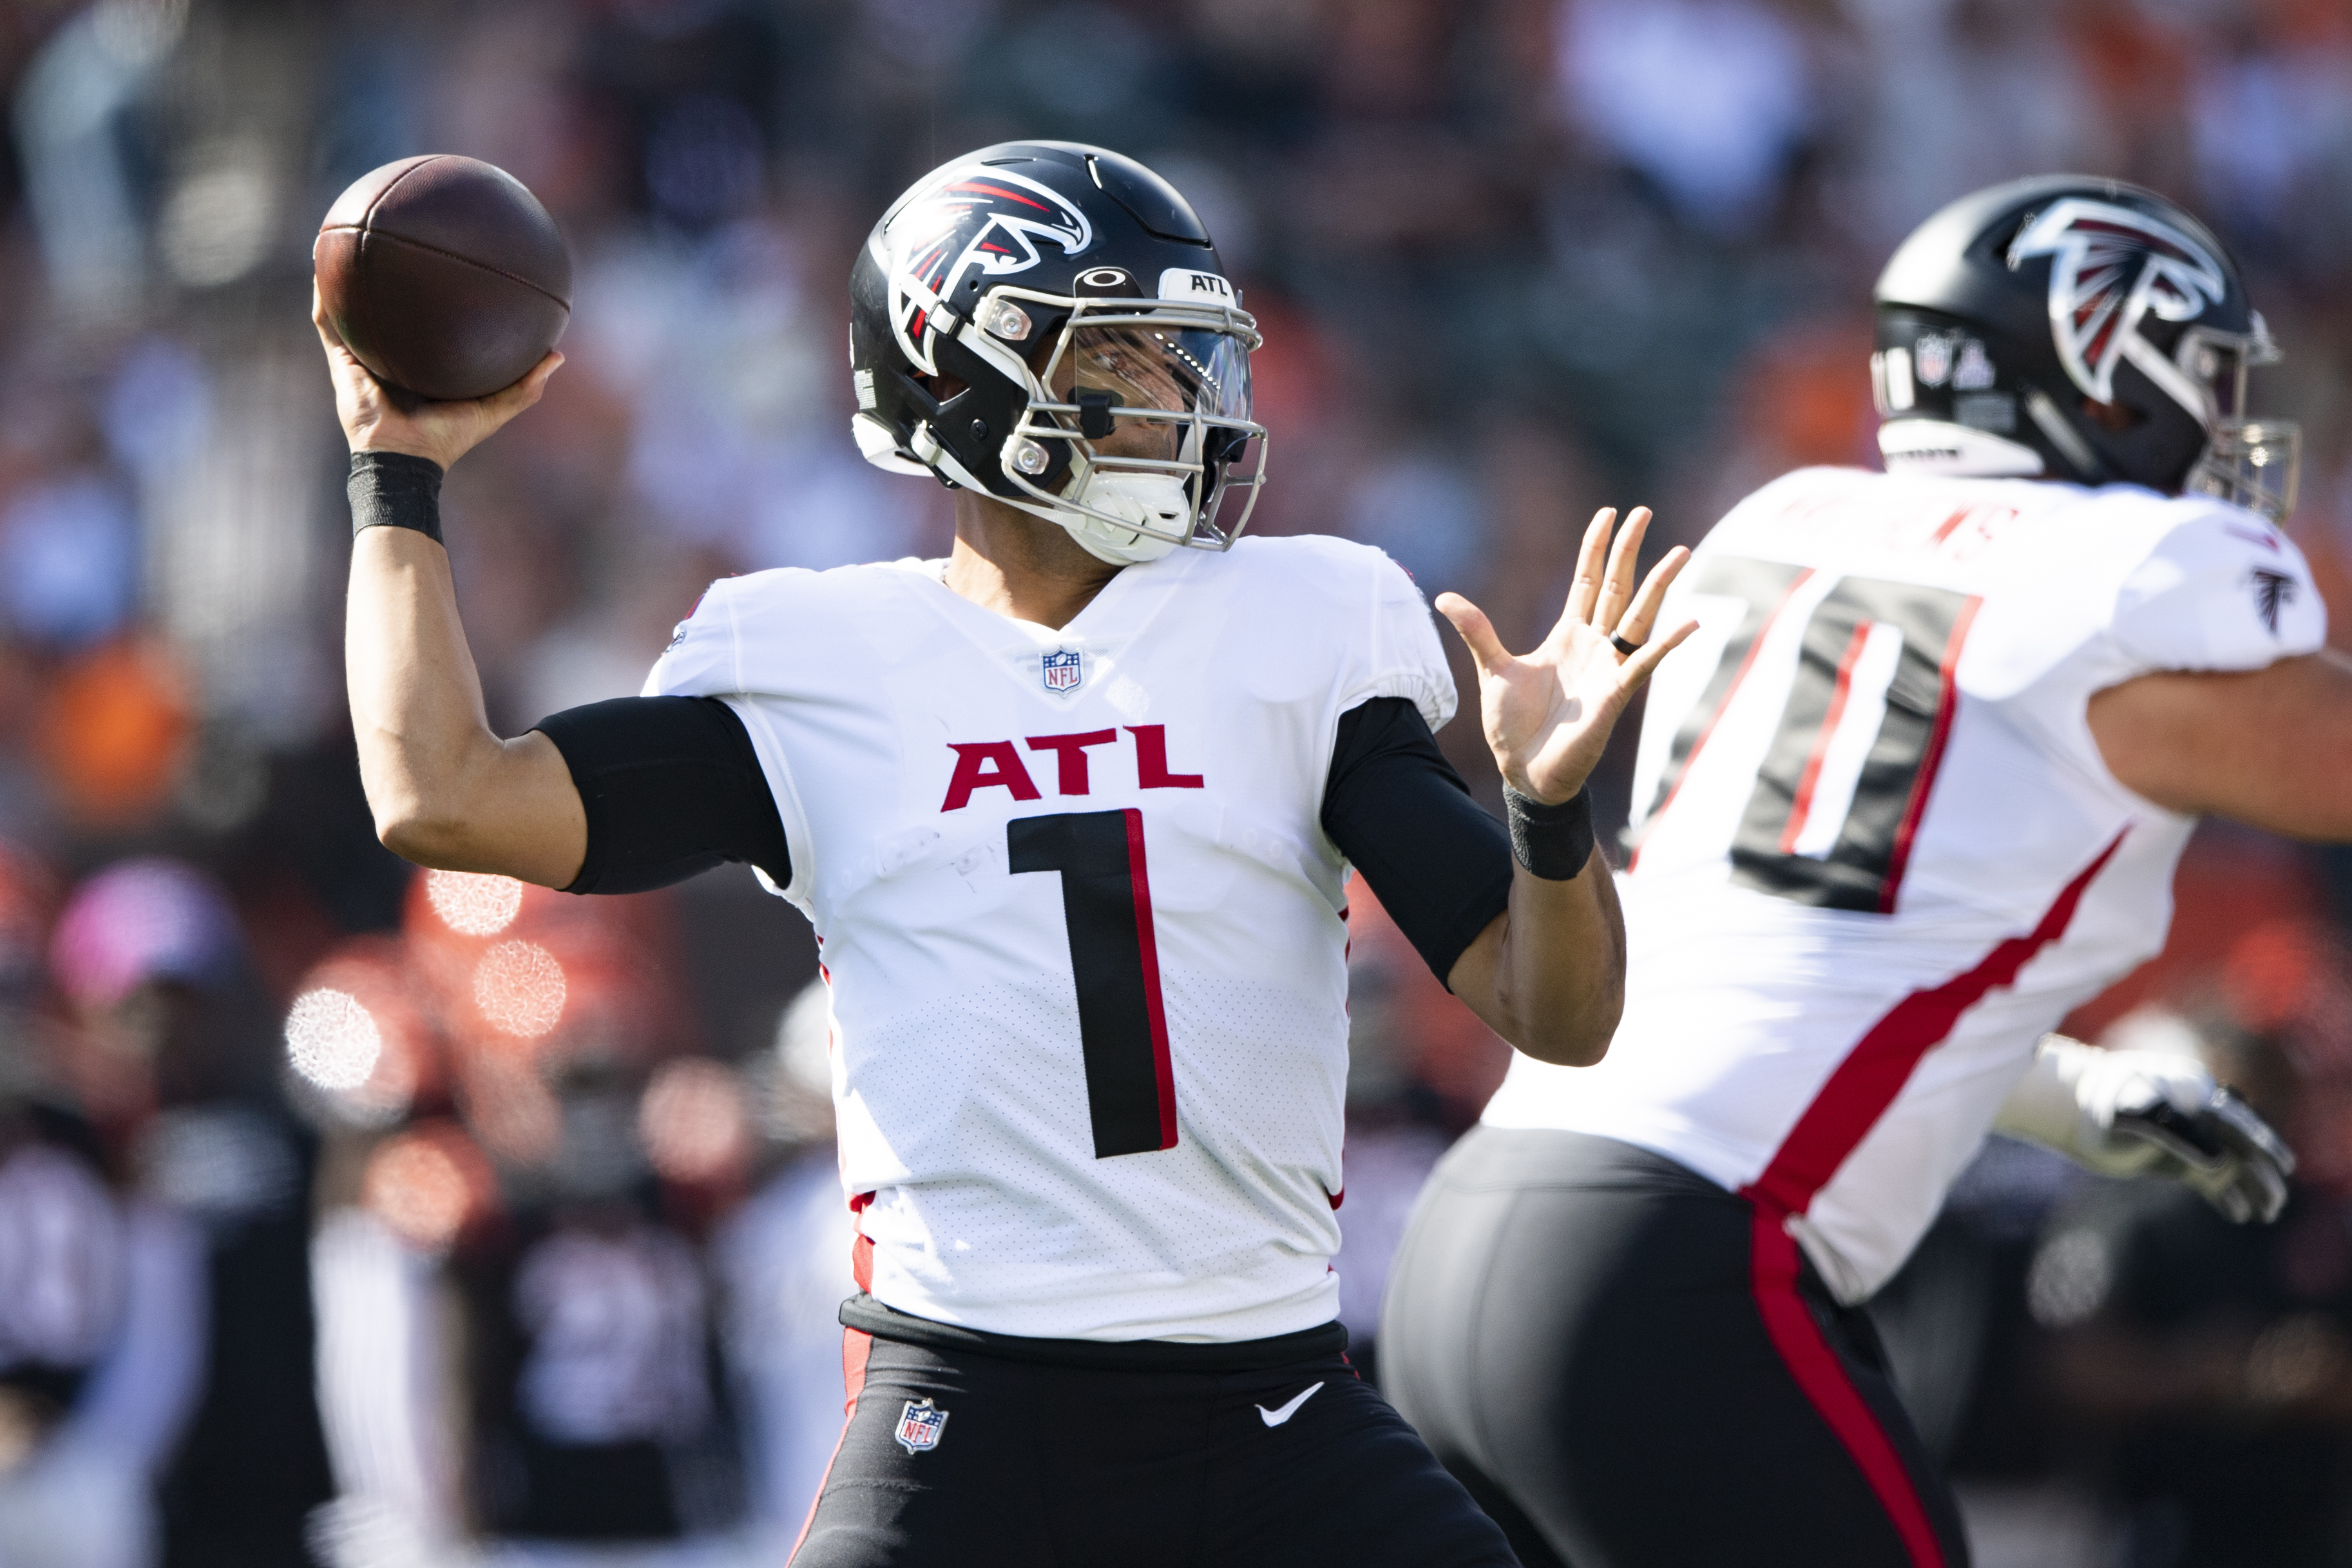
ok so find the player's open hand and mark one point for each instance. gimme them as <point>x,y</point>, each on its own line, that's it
<point>378,418</point>
<point>1548,713</point>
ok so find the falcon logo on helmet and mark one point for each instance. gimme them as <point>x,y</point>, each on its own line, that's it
<point>974,218</point>
<point>2116,337</point>
<point>1048,324</point>
<point>2111,267</point>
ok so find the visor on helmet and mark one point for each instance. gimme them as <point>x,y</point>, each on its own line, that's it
<point>1146,398</point>
<point>1152,370</point>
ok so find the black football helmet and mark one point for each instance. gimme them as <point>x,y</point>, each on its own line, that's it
<point>1048,323</point>
<point>2076,329</point>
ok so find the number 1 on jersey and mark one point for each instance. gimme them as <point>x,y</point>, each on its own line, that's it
<point>1122,1025</point>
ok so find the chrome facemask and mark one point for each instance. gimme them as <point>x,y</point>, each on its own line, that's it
<point>2252,463</point>
<point>1127,366</point>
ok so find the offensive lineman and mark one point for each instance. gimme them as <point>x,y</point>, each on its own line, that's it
<point>1071,812</point>
<point>1917,790</point>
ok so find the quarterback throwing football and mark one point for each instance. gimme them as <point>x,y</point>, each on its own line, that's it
<point>1915,790</point>
<point>1072,813</point>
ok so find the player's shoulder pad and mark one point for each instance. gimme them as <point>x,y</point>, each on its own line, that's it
<point>733,629</point>
<point>2211,585</point>
<point>1358,607</point>
<point>1306,554</point>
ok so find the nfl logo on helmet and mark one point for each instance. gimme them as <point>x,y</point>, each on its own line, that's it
<point>920,1426</point>
<point>1064,670</point>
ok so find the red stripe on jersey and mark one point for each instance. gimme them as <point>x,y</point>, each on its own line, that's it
<point>856,1348</point>
<point>1721,708</point>
<point>1772,1274</point>
<point>1858,1093</point>
<point>1147,947</point>
<point>1803,804</point>
<point>1948,701</point>
<point>861,1250</point>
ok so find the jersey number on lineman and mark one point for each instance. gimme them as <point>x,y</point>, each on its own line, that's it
<point>1838,798</point>
<point>1122,1027</point>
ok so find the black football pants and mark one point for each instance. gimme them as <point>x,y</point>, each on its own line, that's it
<point>1630,1367</point>
<point>1061,1467</point>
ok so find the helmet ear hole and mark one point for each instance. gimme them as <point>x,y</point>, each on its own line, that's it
<point>2114,418</point>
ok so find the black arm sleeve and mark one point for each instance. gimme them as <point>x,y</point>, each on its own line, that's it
<point>672,787</point>
<point>1397,809</point>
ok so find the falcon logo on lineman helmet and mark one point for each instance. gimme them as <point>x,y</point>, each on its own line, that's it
<point>973,217</point>
<point>2111,267</point>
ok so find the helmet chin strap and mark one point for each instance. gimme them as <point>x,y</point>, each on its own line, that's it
<point>1155,501</point>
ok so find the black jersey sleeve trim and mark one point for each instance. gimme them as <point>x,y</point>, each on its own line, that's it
<point>1399,813</point>
<point>672,787</point>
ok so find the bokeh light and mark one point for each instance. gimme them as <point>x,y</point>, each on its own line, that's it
<point>2273,970</point>
<point>426,1185</point>
<point>519,988</point>
<point>472,904</point>
<point>359,1047</point>
<point>692,1122</point>
<point>510,1108</point>
<point>332,1039</point>
<point>2069,1280</point>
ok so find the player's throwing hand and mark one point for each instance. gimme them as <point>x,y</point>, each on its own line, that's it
<point>377,419</point>
<point>1548,713</point>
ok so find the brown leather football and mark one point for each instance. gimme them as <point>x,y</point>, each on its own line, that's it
<point>444,274</point>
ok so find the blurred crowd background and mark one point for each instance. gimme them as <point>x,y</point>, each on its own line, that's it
<point>357,1217</point>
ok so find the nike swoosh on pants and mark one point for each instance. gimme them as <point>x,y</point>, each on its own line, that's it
<point>1275,1417</point>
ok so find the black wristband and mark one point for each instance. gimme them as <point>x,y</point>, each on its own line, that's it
<point>394,489</point>
<point>1552,841</point>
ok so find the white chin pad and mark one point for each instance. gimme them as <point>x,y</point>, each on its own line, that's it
<point>1157,500</point>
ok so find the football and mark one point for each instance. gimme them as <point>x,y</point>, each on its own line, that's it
<point>444,274</point>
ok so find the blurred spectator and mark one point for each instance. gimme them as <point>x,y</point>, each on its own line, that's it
<point>784,1259</point>
<point>2212,1363</point>
<point>517,1345</point>
<point>68,558</point>
<point>1709,98</point>
<point>173,1039</point>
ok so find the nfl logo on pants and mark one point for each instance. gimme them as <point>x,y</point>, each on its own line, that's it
<point>920,1426</point>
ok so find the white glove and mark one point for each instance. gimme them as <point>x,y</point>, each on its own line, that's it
<point>2150,1113</point>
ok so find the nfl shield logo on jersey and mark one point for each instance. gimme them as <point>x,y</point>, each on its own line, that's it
<point>1063,669</point>
<point>920,1426</point>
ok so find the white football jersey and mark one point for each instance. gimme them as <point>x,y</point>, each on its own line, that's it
<point>1081,922</point>
<point>1877,851</point>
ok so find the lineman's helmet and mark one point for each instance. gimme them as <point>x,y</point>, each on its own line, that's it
<point>2076,329</point>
